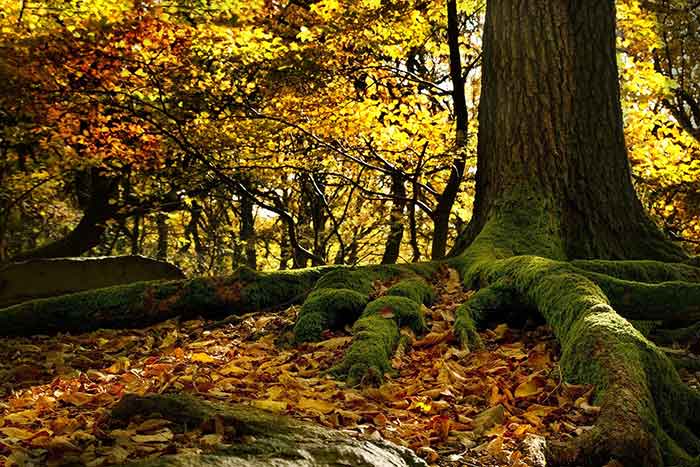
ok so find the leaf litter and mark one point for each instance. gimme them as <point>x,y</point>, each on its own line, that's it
<point>453,407</point>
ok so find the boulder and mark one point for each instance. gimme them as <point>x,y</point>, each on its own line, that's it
<point>42,278</point>
<point>265,439</point>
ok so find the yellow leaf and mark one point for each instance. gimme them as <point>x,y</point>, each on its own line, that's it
<point>162,436</point>
<point>77,398</point>
<point>232,369</point>
<point>335,342</point>
<point>315,404</point>
<point>270,405</point>
<point>17,433</point>
<point>202,358</point>
<point>527,389</point>
<point>152,424</point>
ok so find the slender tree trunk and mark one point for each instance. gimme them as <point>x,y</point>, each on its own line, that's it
<point>441,214</point>
<point>135,236</point>
<point>550,131</point>
<point>398,205</point>
<point>247,232</point>
<point>163,231</point>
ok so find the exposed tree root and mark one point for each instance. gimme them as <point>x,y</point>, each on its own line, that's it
<point>641,270</point>
<point>144,303</point>
<point>678,335</point>
<point>668,301</point>
<point>376,333</point>
<point>647,415</point>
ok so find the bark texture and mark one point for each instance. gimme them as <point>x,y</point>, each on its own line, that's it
<point>550,130</point>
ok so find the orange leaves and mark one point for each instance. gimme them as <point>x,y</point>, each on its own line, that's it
<point>441,401</point>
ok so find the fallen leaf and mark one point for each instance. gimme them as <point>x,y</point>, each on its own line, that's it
<point>202,357</point>
<point>527,389</point>
<point>315,404</point>
<point>270,405</point>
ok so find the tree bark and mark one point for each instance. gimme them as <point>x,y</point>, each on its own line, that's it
<point>89,231</point>
<point>163,230</point>
<point>446,200</point>
<point>247,232</point>
<point>398,205</point>
<point>550,130</point>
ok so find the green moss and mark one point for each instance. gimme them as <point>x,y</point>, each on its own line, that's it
<point>415,289</point>
<point>269,290</point>
<point>357,280</point>
<point>498,297</point>
<point>374,341</point>
<point>197,294</point>
<point>327,309</point>
<point>145,303</point>
<point>641,270</point>
<point>465,328</point>
<point>676,300</point>
<point>403,310</point>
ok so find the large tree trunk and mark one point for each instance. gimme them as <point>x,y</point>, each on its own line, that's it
<point>550,130</point>
<point>553,184</point>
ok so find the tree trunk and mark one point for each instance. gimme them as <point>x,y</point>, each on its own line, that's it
<point>550,130</point>
<point>88,233</point>
<point>247,232</point>
<point>398,205</point>
<point>441,214</point>
<point>163,230</point>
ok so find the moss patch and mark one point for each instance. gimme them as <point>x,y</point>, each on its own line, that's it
<point>374,341</point>
<point>328,309</point>
<point>403,310</point>
<point>376,334</point>
<point>415,289</point>
<point>359,281</point>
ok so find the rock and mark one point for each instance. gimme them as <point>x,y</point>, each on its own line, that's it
<point>270,439</point>
<point>487,419</point>
<point>534,447</point>
<point>42,278</point>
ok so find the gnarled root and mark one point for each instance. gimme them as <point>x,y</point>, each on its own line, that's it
<point>376,334</point>
<point>647,414</point>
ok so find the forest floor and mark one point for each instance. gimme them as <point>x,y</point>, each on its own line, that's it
<point>451,406</point>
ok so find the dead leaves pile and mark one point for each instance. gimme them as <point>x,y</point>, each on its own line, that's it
<point>452,407</point>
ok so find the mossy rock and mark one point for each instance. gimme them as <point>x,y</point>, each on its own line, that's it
<point>328,309</point>
<point>359,281</point>
<point>404,311</point>
<point>415,288</point>
<point>271,439</point>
